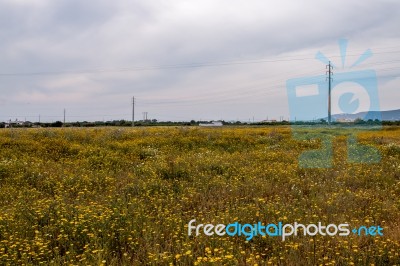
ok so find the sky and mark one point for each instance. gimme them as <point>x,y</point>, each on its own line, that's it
<point>185,59</point>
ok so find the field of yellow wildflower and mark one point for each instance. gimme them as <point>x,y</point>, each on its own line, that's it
<point>124,196</point>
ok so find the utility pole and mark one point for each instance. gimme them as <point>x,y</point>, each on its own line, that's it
<point>133,111</point>
<point>64,118</point>
<point>329,91</point>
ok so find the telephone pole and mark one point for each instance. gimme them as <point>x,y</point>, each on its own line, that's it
<point>329,66</point>
<point>133,111</point>
<point>64,118</point>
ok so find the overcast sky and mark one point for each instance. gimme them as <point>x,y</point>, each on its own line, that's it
<point>181,59</point>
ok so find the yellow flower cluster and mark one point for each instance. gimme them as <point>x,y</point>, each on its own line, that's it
<point>124,196</point>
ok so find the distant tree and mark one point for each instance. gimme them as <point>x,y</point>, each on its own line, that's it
<point>57,124</point>
<point>359,121</point>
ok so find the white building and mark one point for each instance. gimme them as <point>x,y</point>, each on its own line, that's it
<point>212,124</point>
<point>17,122</point>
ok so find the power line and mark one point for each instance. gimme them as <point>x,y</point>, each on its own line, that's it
<point>172,66</point>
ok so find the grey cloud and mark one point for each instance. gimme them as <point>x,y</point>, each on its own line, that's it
<point>45,36</point>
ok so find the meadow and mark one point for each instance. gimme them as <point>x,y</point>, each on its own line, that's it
<point>124,196</point>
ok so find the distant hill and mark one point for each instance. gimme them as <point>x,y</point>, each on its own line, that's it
<point>391,115</point>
